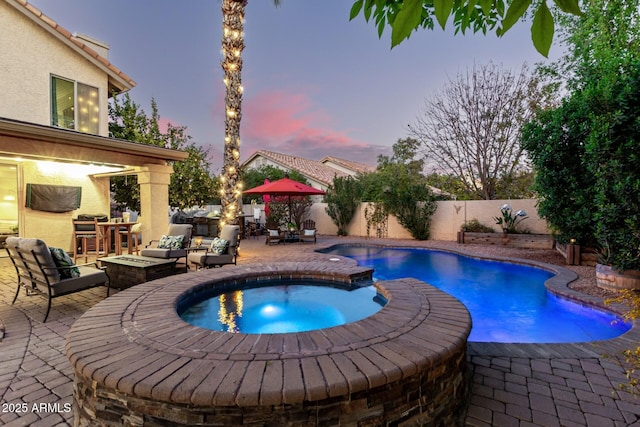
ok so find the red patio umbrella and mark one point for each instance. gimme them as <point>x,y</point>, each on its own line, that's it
<point>285,187</point>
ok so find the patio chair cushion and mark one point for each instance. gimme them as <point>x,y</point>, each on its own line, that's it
<point>170,242</point>
<point>43,254</point>
<point>163,253</point>
<point>88,277</point>
<point>62,259</point>
<point>219,246</point>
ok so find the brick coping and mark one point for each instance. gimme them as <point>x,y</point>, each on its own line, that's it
<point>135,343</point>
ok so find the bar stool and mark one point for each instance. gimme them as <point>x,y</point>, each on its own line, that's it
<point>136,237</point>
<point>84,231</point>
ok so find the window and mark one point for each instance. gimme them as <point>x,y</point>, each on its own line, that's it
<point>74,105</point>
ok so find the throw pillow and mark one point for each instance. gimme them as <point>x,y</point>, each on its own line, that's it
<point>219,246</point>
<point>309,232</point>
<point>274,233</point>
<point>62,260</point>
<point>170,242</point>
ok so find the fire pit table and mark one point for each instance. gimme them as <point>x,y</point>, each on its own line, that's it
<point>130,270</point>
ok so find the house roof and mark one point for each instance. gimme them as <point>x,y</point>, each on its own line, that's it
<point>348,164</point>
<point>314,169</point>
<point>118,81</point>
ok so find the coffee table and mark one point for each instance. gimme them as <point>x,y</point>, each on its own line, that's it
<point>129,270</point>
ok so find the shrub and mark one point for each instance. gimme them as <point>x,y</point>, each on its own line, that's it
<point>474,226</point>
<point>342,200</point>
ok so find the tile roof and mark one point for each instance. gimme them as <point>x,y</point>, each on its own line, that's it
<point>115,75</point>
<point>349,164</point>
<point>312,168</point>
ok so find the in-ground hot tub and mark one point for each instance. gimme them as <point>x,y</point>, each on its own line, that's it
<point>281,306</point>
<point>137,362</point>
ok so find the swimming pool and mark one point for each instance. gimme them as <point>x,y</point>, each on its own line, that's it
<point>508,302</point>
<point>282,306</point>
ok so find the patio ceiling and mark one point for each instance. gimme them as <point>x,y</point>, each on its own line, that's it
<point>28,140</point>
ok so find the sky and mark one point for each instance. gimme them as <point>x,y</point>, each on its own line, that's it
<point>315,83</point>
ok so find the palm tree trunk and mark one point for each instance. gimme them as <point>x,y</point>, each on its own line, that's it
<point>232,46</point>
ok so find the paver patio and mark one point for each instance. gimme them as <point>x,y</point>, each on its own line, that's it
<point>512,384</point>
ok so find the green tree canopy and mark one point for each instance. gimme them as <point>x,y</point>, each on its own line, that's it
<point>398,183</point>
<point>406,16</point>
<point>342,198</point>
<point>191,183</point>
<point>586,152</point>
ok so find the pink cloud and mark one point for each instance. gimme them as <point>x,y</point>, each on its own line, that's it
<point>291,123</point>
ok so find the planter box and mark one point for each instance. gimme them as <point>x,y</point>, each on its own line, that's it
<point>530,241</point>
<point>607,278</point>
<point>577,255</point>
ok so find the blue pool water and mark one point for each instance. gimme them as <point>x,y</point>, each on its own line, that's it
<point>281,306</point>
<point>508,302</point>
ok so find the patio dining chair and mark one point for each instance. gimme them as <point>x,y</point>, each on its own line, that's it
<point>88,236</point>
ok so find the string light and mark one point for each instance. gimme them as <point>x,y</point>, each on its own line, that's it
<point>233,44</point>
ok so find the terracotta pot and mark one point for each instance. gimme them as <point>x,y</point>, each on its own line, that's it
<point>608,278</point>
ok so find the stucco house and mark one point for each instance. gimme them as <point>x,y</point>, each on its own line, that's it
<point>319,173</point>
<point>54,129</point>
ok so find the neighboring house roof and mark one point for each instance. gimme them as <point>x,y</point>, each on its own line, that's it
<point>314,169</point>
<point>118,81</point>
<point>348,164</point>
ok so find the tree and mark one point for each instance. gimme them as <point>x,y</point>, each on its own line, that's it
<point>583,151</point>
<point>471,128</point>
<point>342,199</point>
<point>399,185</point>
<point>191,183</point>
<point>449,184</point>
<point>565,188</point>
<point>232,46</point>
<point>406,16</point>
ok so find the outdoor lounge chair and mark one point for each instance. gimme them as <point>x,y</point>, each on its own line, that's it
<point>274,235</point>
<point>215,252</point>
<point>50,272</point>
<point>308,232</point>
<point>171,245</point>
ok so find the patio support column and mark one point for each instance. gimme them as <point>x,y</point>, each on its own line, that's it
<point>154,200</point>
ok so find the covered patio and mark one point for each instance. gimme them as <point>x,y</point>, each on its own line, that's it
<point>36,154</point>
